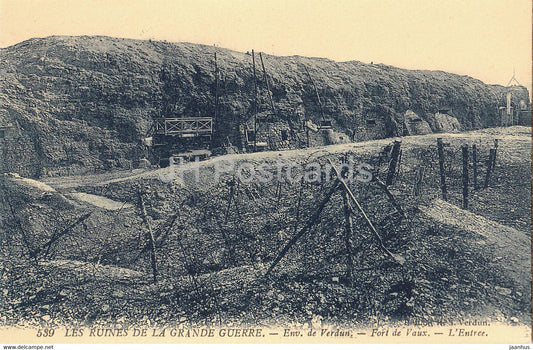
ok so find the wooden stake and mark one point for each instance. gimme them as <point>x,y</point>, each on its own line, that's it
<point>267,85</point>
<point>150,236</point>
<point>390,196</point>
<point>348,232</point>
<point>278,194</point>
<point>419,179</point>
<point>255,101</point>
<point>441,168</point>
<point>159,235</point>
<point>490,162</point>
<point>312,220</point>
<point>55,237</point>
<point>474,164</point>
<point>231,194</point>
<point>398,259</point>
<point>398,166</point>
<point>465,176</point>
<point>348,229</point>
<point>395,153</point>
<point>297,221</point>
<point>216,92</point>
<point>317,95</point>
<point>495,151</point>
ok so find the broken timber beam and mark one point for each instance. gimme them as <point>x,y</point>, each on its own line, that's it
<point>348,232</point>
<point>150,236</point>
<point>256,104</point>
<point>159,236</point>
<point>348,229</point>
<point>312,220</point>
<point>60,234</point>
<point>395,154</point>
<point>390,196</point>
<point>495,151</point>
<point>265,76</point>
<point>440,147</point>
<point>316,93</point>
<point>398,259</point>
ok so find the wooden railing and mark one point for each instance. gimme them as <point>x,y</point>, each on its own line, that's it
<point>179,126</point>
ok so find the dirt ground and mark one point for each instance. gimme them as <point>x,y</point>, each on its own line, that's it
<point>79,254</point>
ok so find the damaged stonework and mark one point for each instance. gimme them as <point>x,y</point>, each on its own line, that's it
<point>444,122</point>
<point>415,125</point>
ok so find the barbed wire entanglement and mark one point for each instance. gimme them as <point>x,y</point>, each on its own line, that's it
<point>238,249</point>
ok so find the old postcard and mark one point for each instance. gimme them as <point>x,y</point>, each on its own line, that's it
<point>265,172</point>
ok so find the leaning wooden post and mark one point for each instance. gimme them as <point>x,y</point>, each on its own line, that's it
<point>490,162</point>
<point>255,101</point>
<point>278,194</point>
<point>231,194</point>
<point>348,230</point>
<point>440,147</point>
<point>312,220</point>
<point>395,153</point>
<point>390,196</point>
<point>465,176</point>
<point>397,258</point>
<point>267,86</point>
<point>398,166</point>
<point>57,236</point>
<point>216,93</point>
<point>474,165</point>
<point>418,180</point>
<point>495,151</point>
<point>150,236</point>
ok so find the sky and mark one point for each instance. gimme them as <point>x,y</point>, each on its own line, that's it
<point>486,39</point>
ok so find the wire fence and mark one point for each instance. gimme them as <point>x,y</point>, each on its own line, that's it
<point>237,225</point>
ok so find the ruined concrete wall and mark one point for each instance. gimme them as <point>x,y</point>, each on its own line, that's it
<point>525,117</point>
<point>92,106</point>
<point>366,132</point>
<point>278,136</point>
<point>334,137</point>
<point>377,122</point>
<point>443,122</point>
<point>416,125</point>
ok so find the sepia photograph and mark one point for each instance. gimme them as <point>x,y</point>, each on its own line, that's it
<point>259,172</point>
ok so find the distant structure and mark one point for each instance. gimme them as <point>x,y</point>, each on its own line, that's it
<point>514,112</point>
<point>173,135</point>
